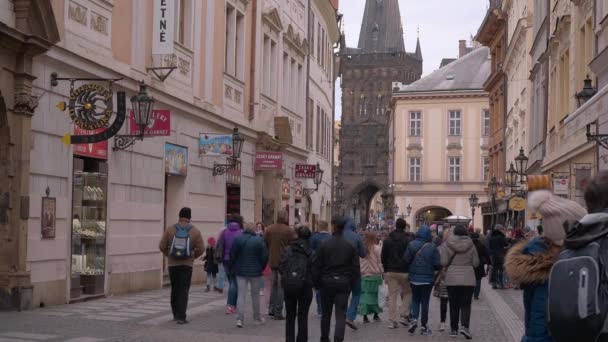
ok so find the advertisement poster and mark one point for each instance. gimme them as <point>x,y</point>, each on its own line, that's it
<point>561,185</point>
<point>159,124</point>
<point>233,199</point>
<point>285,188</point>
<point>268,161</point>
<point>176,160</point>
<point>299,190</point>
<point>215,144</point>
<point>48,217</point>
<point>97,150</point>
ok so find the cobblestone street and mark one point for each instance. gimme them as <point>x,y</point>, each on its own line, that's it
<point>497,316</point>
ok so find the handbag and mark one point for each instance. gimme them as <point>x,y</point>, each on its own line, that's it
<point>441,277</point>
<point>218,255</point>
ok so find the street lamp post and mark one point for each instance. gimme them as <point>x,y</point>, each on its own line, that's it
<point>408,210</point>
<point>318,180</point>
<point>473,201</point>
<point>354,202</point>
<point>511,177</point>
<point>237,147</point>
<point>521,163</point>
<point>142,105</point>
<point>493,189</point>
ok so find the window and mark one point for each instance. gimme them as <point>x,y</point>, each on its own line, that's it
<point>415,169</point>
<point>454,169</point>
<point>319,41</point>
<point>285,86</point>
<point>486,123</point>
<point>235,42</point>
<point>269,66</point>
<point>486,168</point>
<point>322,132</point>
<point>455,122</point>
<point>323,46</point>
<point>564,86</point>
<point>318,131</point>
<point>311,24</point>
<point>415,124</point>
<point>300,89</point>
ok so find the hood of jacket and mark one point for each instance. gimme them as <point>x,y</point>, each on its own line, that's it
<point>460,244</point>
<point>496,233</point>
<point>233,226</point>
<point>589,228</point>
<point>350,225</point>
<point>424,234</point>
<point>529,262</point>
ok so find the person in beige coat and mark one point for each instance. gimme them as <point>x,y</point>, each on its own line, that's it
<point>459,257</point>
<point>371,272</point>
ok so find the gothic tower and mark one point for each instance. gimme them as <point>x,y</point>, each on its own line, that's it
<point>367,74</point>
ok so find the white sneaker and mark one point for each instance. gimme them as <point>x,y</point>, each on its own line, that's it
<point>259,322</point>
<point>262,293</point>
<point>442,327</point>
<point>239,323</point>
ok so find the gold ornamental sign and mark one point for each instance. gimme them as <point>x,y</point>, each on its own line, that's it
<point>517,204</point>
<point>90,106</point>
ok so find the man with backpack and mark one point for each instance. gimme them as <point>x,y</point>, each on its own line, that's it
<point>278,236</point>
<point>181,244</point>
<point>296,273</point>
<point>351,235</point>
<point>578,282</point>
<point>396,275</point>
<point>315,242</point>
<point>335,272</point>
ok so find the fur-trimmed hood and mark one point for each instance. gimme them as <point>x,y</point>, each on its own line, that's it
<point>530,262</point>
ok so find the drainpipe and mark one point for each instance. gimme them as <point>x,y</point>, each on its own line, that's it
<point>252,69</point>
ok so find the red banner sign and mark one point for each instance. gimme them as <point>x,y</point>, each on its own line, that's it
<point>268,161</point>
<point>97,150</point>
<point>305,171</point>
<point>159,124</point>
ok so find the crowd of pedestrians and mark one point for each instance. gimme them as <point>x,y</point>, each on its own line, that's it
<point>561,267</point>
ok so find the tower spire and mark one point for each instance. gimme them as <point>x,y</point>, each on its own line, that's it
<point>418,49</point>
<point>381,27</point>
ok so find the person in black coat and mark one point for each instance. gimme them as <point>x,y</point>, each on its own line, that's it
<point>498,247</point>
<point>211,267</point>
<point>335,273</point>
<point>484,259</point>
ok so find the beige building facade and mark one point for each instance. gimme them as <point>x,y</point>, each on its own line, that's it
<point>238,63</point>
<point>440,149</point>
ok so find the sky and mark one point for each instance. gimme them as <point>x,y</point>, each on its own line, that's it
<point>442,24</point>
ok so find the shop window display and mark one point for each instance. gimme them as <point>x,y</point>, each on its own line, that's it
<point>89,227</point>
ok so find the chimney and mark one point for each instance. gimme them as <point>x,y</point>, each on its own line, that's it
<point>462,48</point>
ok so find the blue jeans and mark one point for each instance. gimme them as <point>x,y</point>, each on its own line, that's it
<point>351,314</point>
<point>211,277</point>
<point>221,275</point>
<point>232,285</point>
<point>276,295</point>
<point>421,295</point>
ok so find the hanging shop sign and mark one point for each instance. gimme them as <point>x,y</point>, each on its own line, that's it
<point>561,185</point>
<point>305,171</point>
<point>233,175</point>
<point>517,204</point>
<point>233,199</point>
<point>285,189</point>
<point>94,150</point>
<point>163,27</point>
<point>159,124</point>
<point>211,144</point>
<point>176,160</point>
<point>268,161</point>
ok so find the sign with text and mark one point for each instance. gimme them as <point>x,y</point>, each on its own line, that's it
<point>163,27</point>
<point>561,185</point>
<point>159,124</point>
<point>268,161</point>
<point>94,150</point>
<point>305,171</point>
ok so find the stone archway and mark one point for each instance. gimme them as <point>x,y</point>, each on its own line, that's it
<point>431,214</point>
<point>359,202</point>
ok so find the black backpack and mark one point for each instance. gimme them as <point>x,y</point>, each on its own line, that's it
<point>578,293</point>
<point>295,268</point>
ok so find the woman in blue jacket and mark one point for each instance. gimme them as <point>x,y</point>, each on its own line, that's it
<point>423,259</point>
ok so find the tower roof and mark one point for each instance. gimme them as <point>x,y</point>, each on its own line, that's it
<point>381,29</point>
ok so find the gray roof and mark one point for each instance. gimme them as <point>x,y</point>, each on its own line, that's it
<point>381,29</point>
<point>466,73</point>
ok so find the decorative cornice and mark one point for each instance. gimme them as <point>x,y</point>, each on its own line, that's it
<point>25,104</point>
<point>294,39</point>
<point>414,146</point>
<point>273,18</point>
<point>454,146</point>
<point>268,143</point>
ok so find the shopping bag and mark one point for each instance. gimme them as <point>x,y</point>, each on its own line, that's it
<point>382,295</point>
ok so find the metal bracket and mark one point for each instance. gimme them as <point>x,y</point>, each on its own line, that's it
<point>159,75</point>
<point>122,142</point>
<point>309,191</point>
<point>55,79</point>
<point>220,169</point>
<point>600,139</point>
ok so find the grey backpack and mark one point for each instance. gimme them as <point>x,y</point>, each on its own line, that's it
<point>578,294</point>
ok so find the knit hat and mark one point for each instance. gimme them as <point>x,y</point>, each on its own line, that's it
<point>185,212</point>
<point>211,241</point>
<point>558,213</point>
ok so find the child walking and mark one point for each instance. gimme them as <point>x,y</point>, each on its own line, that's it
<point>211,267</point>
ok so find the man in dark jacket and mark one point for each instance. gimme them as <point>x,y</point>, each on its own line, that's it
<point>396,275</point>
<point>249,256</point>
<point>351,235</point>
<point>484,259</point>
<point>335,272</point>
<point>498,246</point>
<point>315,242</point>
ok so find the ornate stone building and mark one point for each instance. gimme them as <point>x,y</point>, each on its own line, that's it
<point>367,75</point>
